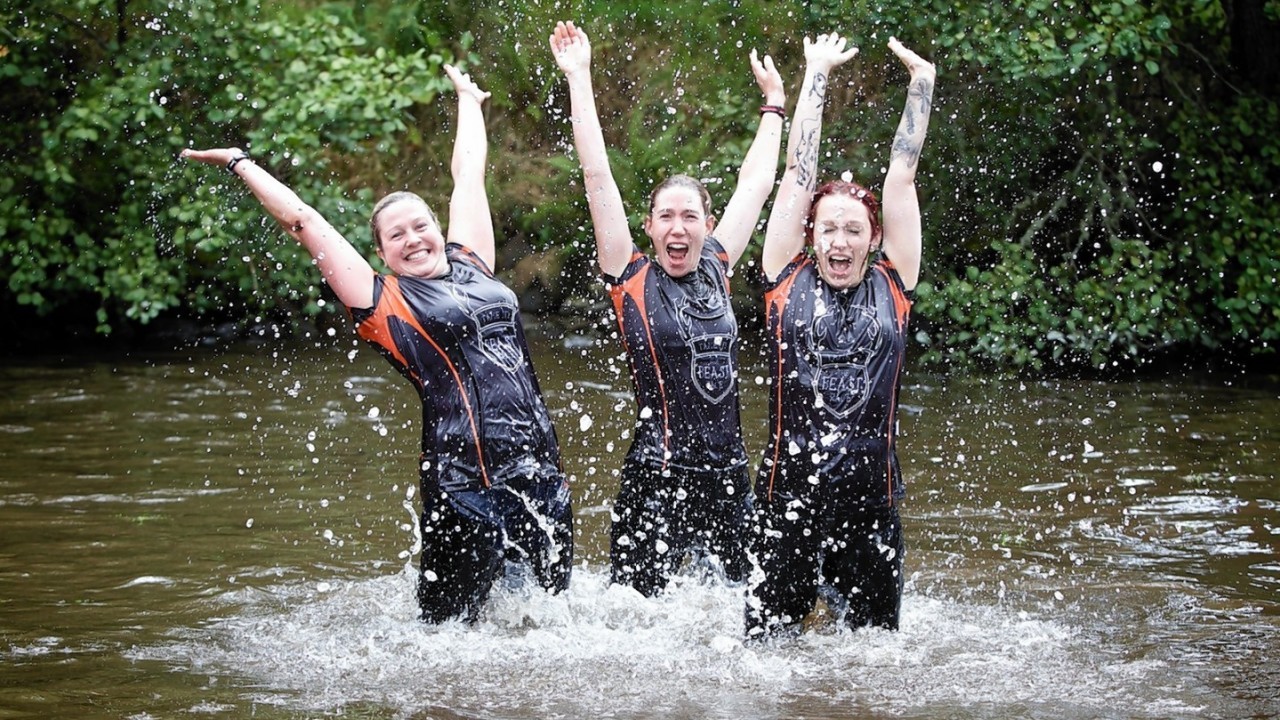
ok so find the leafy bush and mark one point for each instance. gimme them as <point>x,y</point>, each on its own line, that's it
<point>1098,183</point>
<point>101,208</point>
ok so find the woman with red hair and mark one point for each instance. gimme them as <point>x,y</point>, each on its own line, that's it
<point>839,289</point>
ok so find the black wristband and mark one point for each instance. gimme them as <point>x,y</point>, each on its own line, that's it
<point>775,109</point>
<point>231,166</point>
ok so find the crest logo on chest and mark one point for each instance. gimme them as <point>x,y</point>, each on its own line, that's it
<point>842,342</point>
<point>709,329</point>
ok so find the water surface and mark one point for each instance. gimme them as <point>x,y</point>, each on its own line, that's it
<point>225,533</point>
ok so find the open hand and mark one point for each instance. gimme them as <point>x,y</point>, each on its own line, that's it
<point>571,48</point>
<point>768,79</point>
<point>464,85</point>
<point>827,52</point>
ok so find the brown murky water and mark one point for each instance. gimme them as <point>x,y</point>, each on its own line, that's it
<point>224,533</point>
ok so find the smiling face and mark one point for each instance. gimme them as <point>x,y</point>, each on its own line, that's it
<point>843,240</point>
<point>678,225</point>
<point>409,238</point>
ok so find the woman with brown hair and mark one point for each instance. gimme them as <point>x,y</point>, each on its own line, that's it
<point>684,487</point>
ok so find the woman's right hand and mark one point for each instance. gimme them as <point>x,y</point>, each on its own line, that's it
<point>827,52</point>
<point>571,48</point>
<point>464,85</point>
<point>768,79</point>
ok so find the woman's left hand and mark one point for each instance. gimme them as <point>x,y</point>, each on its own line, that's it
<point>213,156</point>
<point>916,65</point>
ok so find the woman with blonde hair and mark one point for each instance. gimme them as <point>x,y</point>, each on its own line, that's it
<point>492,487</point>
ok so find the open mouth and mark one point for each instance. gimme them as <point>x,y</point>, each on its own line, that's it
<point>417,255</point>
<point>840,264</point>
<point>677,251</point>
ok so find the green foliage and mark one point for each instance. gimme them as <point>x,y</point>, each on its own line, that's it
<point>1020,39</point>
<point>1061,184</point>
<point>100,208</point>
<point>1231,215</point>
<point>1017,313</point>
<point>1098,184</point>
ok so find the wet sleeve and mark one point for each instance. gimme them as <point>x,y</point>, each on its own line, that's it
<point>360,315</point>
<point>791,269</point>
<point>900,287</point>
<point>637,260</point>
<point>713,246</point>
<point>461,253</point>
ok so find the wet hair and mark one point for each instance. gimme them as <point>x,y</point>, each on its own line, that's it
<point>853,190</point>
<point>683,181</point>
<point>392,199</point>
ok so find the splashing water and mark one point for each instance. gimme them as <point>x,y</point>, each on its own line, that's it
<point>604,650</point>
<point>1118,568</point>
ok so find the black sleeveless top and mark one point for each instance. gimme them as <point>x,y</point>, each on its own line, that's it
<point>460,341</point>
<point>835,366</point>
<point>681,341</point>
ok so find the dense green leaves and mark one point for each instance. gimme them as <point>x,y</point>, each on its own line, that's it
<point>1097,192</point>
<point>98,205</point>
<point>1098,183</point>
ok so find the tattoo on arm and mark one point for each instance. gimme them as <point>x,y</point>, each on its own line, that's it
<point>905,148</point>
<point>807,154</point>
<point>909,140</point>
<point>819,89</point>
<point>922,92</point>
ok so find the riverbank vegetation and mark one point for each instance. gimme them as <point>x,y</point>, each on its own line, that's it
<point>1099,188</point>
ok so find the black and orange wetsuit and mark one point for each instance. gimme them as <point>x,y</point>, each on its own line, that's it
<point>684,482</point>
<point>829,481</point>
<point>492,486</point>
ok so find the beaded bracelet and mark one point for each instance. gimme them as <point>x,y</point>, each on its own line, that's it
<point>775,109</point>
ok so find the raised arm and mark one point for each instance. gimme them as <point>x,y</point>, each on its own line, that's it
<point>903,241</point>
<point>784,234</point>
<point>470,222</point>
<point>572,50</point>
<point>759,168</point>
<point>341,265</point>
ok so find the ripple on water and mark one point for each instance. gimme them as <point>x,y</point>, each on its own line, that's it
<point>604,650</point>
<point>1042,487</point>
